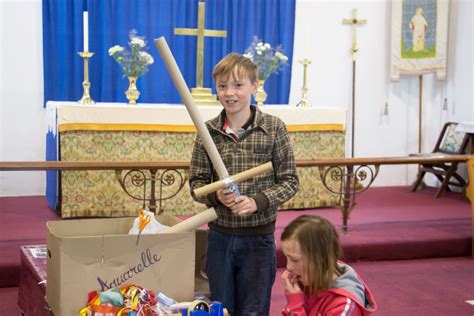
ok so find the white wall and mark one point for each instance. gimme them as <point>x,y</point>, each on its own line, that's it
<point>319,36</point>
<point>22,117</point>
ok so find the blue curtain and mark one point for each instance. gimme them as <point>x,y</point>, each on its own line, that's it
<point>111,20</point>
<point>109,24</point>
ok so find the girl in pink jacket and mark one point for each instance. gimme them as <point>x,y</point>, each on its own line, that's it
<point>315,282</point>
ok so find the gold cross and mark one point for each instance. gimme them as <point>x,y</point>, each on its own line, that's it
<point>354,22</point>
<point>200,32</point>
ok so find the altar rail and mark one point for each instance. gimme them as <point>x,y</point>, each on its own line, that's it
<point>351,180</point>
<point>163,164</point>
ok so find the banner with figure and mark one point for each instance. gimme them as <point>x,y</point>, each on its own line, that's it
<point>419,37</point>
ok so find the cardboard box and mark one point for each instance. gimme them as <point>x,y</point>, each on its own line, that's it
<point>97,254</point>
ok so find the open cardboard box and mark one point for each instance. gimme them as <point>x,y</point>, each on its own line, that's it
<point>96,254</point>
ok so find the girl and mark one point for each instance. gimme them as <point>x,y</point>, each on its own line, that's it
<point>315,282</point>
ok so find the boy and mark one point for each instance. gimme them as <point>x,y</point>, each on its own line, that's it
<point>241,244</point>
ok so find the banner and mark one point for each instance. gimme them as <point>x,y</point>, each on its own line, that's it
<point>419,37</point>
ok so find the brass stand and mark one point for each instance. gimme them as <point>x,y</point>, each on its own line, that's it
<point>86,98</point>
<point>354,22</point>
<point>304,98</point>
<point>204,96</point>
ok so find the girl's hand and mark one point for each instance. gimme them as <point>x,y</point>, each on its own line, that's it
<point>289,282</point>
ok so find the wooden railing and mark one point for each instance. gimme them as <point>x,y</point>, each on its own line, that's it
<point>352,175</point>
<point>355,175</point>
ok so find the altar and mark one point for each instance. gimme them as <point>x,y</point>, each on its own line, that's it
<point>147,132</point>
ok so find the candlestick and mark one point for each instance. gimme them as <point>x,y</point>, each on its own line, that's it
<point>86,30</point>
<point>304,98</point>
<point>86,98</point>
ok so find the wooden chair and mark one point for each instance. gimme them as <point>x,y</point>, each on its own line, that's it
<point>450,142</point>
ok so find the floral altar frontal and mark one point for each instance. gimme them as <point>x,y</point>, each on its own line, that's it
<point>147,132</point>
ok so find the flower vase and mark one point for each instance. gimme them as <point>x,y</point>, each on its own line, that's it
<point>260,95</point>
<point>132,93</point>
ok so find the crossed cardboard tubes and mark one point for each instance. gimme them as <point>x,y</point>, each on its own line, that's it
<point>208,215</point>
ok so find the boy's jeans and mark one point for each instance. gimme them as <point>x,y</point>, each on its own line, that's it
<point>241,272</point>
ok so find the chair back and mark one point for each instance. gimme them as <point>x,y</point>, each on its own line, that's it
<point>451,141</point>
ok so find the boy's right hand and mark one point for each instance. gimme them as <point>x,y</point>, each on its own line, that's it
<point>226,197</point>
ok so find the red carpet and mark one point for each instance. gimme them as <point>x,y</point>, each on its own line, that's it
<point>411,287</point>
<point>393,223</point>
<point>22,222</point>
<point>387,224</point>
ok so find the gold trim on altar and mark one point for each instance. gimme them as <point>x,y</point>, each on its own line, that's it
<point>181,128</point>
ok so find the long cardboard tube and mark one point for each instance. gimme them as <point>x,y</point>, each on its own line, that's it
<point>239,177</point>
<point>188,101</point>
<point>193,222</point>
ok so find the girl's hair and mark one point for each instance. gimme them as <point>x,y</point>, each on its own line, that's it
<point>235,65</point>
<point>320,248</point>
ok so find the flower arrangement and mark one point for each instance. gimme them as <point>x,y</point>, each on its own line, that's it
<point>135,63</point>
<point>267,58</point>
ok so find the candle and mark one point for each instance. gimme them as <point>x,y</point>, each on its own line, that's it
<point>86,30</point>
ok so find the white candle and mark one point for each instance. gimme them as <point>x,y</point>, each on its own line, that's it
<point>86,30</point>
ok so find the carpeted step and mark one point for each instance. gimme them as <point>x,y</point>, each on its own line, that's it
<point>22,222</point>
<point>8,305</point>
<point>402,240</point>
<point>10,260</point>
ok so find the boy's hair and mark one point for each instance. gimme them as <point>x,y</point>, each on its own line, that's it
<point>320,247</point>
<point>237,66</point>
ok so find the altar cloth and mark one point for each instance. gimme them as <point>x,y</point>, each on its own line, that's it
<point>121,132</point>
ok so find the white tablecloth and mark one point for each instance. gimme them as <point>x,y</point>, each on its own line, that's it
<point>62,113</point>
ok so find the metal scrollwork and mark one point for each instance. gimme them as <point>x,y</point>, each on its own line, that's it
<point>168,178</point>
<point>134,182</point>
<point>346,181</point>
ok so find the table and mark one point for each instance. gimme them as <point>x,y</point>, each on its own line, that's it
<point>121,132</point>
<point>32,289</point>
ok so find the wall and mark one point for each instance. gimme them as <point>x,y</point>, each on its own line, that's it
<point>22,117</point>
<point>320,36</point>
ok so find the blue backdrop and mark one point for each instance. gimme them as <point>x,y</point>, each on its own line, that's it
<point>109,24</point>
<point>111,20</point>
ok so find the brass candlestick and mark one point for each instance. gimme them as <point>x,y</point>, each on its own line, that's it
<point>304,98</point>
<point>86,98</point>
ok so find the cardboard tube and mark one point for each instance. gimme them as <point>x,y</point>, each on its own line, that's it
<point>188,101</point>
<point>235,178</point>
<point>193,222</point>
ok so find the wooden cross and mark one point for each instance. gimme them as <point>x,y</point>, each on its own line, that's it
<point>354,22</point>
<point>200,32</point>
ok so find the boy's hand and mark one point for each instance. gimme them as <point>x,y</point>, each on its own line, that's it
<point>290,282</point>
<point>226,197</point>
<point>243,205</point>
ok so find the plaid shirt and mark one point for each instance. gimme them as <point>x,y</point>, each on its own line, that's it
<point>265,139</point>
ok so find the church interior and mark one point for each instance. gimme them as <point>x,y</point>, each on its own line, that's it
<point>376,97</point>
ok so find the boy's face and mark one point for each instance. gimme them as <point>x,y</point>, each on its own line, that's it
<point>235,92</point>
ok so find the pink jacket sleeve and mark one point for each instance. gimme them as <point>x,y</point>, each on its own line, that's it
<point>337,306</point>
<point>295,305</point>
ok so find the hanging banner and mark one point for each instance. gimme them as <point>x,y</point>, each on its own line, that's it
<point>419,37</point>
